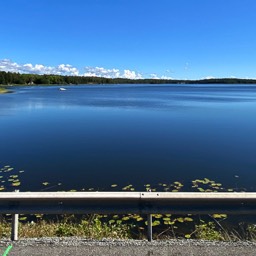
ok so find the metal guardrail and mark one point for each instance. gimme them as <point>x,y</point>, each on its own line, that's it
<point>125,202</point>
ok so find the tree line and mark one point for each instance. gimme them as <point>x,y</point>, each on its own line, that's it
<point>10,78</point>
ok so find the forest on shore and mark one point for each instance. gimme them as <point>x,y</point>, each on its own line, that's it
<point>9,78</point>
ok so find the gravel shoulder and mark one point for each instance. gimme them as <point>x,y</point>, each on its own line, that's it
<point>80,246</point>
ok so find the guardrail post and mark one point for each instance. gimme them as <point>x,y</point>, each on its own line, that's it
<point>15,225</point>
<point>149,220</point>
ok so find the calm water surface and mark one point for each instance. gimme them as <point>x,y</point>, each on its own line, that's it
<point>94,136</point>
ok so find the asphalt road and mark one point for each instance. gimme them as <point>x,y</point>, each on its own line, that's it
<point>79,246</point>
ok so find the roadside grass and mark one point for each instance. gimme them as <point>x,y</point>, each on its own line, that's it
<point>90,229</point>
<point>97,227</point>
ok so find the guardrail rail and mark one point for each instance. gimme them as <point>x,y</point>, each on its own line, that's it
<point>123,203</point>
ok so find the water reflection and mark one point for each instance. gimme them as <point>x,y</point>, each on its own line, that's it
<point>93,136</point>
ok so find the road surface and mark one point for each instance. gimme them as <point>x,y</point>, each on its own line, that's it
<point>79,246</point>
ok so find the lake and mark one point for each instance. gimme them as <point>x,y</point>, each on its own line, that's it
<point>98,135</point>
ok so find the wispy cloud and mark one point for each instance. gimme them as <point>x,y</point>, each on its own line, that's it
<point>207,77</point>
<point>155,76</point>
<point>187,66</point>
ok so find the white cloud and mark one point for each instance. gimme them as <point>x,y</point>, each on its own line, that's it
<point>166,77</point>
<point>111,73</point>
<point>62,69</point>
<point>102,72</point>
<point>67,69</point>
<point>155,76</point>
<point>8,65</point>
<point>208,77</point>
<point>131,74</point>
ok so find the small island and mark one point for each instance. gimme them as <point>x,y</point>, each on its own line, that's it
<point>3,90</point>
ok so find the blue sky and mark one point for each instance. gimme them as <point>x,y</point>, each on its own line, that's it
<point>180,39</point>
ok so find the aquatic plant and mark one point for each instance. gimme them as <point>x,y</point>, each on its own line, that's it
<point>9,178</point>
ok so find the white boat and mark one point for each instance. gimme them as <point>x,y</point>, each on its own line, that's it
<point>62,89</point>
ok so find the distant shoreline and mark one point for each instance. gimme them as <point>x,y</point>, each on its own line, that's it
<point>9,78</point>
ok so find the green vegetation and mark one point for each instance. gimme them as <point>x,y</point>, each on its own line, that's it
<point>165,226</point>
<point>89,228</point>
<point>3,90</point>
<point>9,78</point>
<point>118,227</point>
